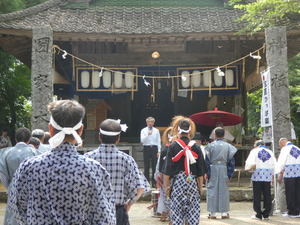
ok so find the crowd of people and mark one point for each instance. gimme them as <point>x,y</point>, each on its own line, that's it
<point>49,182</point>
<point>184,165</point>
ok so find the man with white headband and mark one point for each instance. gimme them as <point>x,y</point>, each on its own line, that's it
<point>220,164</point>
<point>128,182</point>
<point>61,186</point>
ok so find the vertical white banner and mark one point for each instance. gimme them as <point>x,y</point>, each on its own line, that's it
<point>266,104</point>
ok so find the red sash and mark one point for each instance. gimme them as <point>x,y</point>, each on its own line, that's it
<point>184,152</point>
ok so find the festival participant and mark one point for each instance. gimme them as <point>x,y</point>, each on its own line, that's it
<point>150,137</point>
<point>128,183</point>
<point>288,167</point>
<point>221,168</point>
<point>227,135</point>
<point>262,161</point>
<point>61,186</point>
<point>40,134</point>
<point>162,207</point>
<point>184,162</point>
<point>5,140</point>
<point>10,160</point>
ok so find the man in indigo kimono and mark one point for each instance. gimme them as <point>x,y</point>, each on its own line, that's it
<point>11,158</point>
<point>61,186</point>
<point>128,183</point>
<point>220,163</point>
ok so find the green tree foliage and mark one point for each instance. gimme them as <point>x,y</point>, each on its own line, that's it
<point>294,86</point>
<point>261,14</point>
<point>15,85</point>
<point>254,99</point>
<point>15,89</point>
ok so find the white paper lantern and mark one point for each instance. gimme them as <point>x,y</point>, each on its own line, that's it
<point>85,79</point>
<point>186,81</point>
<point>218,80</point>
<point>196,78</point>
<point>118,79</point>
<point>229,77</point>
<point>128,79</point>
<point>106,79</point>
<point>206,78</point>
<point>96,79</point>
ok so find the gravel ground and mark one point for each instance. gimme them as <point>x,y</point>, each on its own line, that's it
<point>240,214</point>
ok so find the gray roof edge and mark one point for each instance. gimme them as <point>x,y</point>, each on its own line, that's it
<point>25,12</point>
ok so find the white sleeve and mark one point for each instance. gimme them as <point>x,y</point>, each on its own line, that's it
<point>281,160</point>
<point>250,161</point>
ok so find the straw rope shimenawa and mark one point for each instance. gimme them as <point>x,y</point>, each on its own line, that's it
<point>56,47</point>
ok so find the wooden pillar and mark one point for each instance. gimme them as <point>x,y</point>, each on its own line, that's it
<point>276,49</point>
<point>41,76</point>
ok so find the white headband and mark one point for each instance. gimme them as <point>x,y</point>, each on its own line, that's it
<point>113,133</point>
<point>58,138</point>
<point>184,131</point>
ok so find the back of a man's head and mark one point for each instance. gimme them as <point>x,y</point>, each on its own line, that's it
<point>23,135</point>
<point>66,113</point>
<point>38,133</point>
<point>109,127</point>
<point>219,132</point>
<point>259,143</point>
<point>35,142</point>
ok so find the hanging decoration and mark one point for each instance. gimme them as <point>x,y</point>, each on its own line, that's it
<point>187,79</point>
<point>64,56</point>
<point>257,63</point>
<point>146,82</point>
<point>220,72</point>
<point>255,56</point>
<point>101,72</point>
<point>244,70</point>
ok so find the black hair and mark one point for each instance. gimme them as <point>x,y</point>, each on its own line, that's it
<point>66,113</point>
<point>184,125</point>
<point>219,131</point>
<point>34,141</point>
<point>109,125</point>
<point>23,134</point>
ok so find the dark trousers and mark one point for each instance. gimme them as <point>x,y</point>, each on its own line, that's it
<point>122,215</point>
<point>264,188</point>
<point>292,192</point>
<point>150,154</point>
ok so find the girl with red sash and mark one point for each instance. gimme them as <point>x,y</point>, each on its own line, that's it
<point>185,163</point>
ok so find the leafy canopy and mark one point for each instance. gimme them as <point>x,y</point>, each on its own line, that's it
<point>261,14</point>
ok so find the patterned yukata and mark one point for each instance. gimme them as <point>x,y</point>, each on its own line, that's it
<point>185,196</point>
<point>220,163</point>
<point>11,158</point>
<point>264,161</point>
<point>125,176</point>
<point>62,187</point>
<point>163,202</point>
<point>289,162</point>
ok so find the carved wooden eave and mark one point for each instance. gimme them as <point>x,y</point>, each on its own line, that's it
<point>136,25</point>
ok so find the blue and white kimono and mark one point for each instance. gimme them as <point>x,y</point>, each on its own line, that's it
<point>10,160</point>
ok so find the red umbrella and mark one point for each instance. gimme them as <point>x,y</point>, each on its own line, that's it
<point>210,118</point>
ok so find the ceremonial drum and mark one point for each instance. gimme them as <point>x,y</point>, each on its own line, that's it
<point>154,202</point>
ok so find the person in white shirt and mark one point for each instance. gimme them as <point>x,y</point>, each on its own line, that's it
<point>288,167</point>
<point>150,137</point>
<point>262,161</point>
